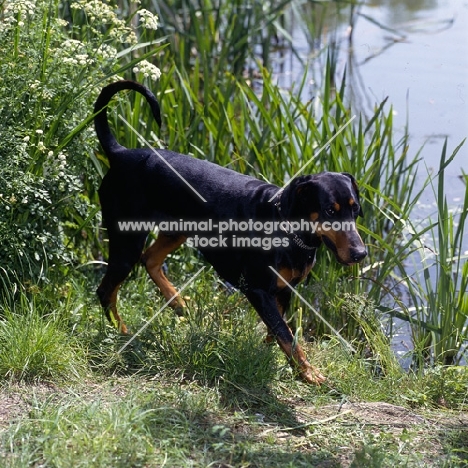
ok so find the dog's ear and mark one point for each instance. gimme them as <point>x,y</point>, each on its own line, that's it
<point>300,197</point>
<point>356,190</point>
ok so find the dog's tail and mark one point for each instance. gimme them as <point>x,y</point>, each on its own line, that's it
<point>101,124</point>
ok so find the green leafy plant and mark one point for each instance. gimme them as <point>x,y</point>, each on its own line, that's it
<point>50,73</point>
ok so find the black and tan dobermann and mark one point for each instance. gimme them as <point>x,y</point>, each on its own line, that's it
<point>148,185</point>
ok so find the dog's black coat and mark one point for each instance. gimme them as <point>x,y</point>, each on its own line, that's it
<point>140,185</point>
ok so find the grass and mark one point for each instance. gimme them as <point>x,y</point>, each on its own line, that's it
<point>148,425</point>
<point>204,389</point>
<point>35,345</point>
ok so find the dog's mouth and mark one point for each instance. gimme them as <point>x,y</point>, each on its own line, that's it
<point>331,246</point>
<point>352,256</point>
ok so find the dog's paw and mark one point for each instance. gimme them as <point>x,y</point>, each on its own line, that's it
<point>180,310</point>
<point>311,375</point>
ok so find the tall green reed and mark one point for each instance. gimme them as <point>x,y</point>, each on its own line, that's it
<point>223,36</point>
<point>439,286</point>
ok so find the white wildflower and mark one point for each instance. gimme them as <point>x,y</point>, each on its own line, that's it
<point>71,61</point>
<point>99,14</point>
<point>62,161</point>
<point>148,19</point>
<point>73,45</point>
<point>73,52</point>
<point>15,7</point>
<point>83,59</point>
<point>15,11</point>
<point>106,52</point>
<point>47,94</point>
<point>148,70</point>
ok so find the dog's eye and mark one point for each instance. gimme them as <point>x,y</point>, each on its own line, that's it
<point>330,212</point>
<point>355,208</point>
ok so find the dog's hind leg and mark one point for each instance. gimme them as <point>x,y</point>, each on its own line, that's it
<point>153,259</point>
<point>124,253</point>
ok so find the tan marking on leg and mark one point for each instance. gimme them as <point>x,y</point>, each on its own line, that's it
<point>298,361</point>
<point>154,257</point>
<point>115,315</point>
<point>108,297</point>
<point>288,274</point>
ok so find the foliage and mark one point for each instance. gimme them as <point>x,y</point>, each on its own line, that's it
<point>50,74</point>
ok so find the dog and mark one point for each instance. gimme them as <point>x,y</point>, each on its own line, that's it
<point>163,186</point>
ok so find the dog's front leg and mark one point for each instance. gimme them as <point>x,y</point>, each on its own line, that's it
<point>267,308</point>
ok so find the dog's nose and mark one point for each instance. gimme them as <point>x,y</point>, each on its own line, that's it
<point>358,254</point>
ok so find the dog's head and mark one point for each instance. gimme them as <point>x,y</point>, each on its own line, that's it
<point>329,201</point>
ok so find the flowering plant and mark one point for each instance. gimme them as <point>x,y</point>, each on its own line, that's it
<point>54,60</point>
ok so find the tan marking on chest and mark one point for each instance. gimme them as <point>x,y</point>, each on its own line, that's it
<point>290,274</point>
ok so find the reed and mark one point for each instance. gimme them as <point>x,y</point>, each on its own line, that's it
<point>439,289</point>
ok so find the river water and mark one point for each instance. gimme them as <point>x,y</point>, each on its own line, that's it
<point>424,73</point>
<point>414,52</point>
